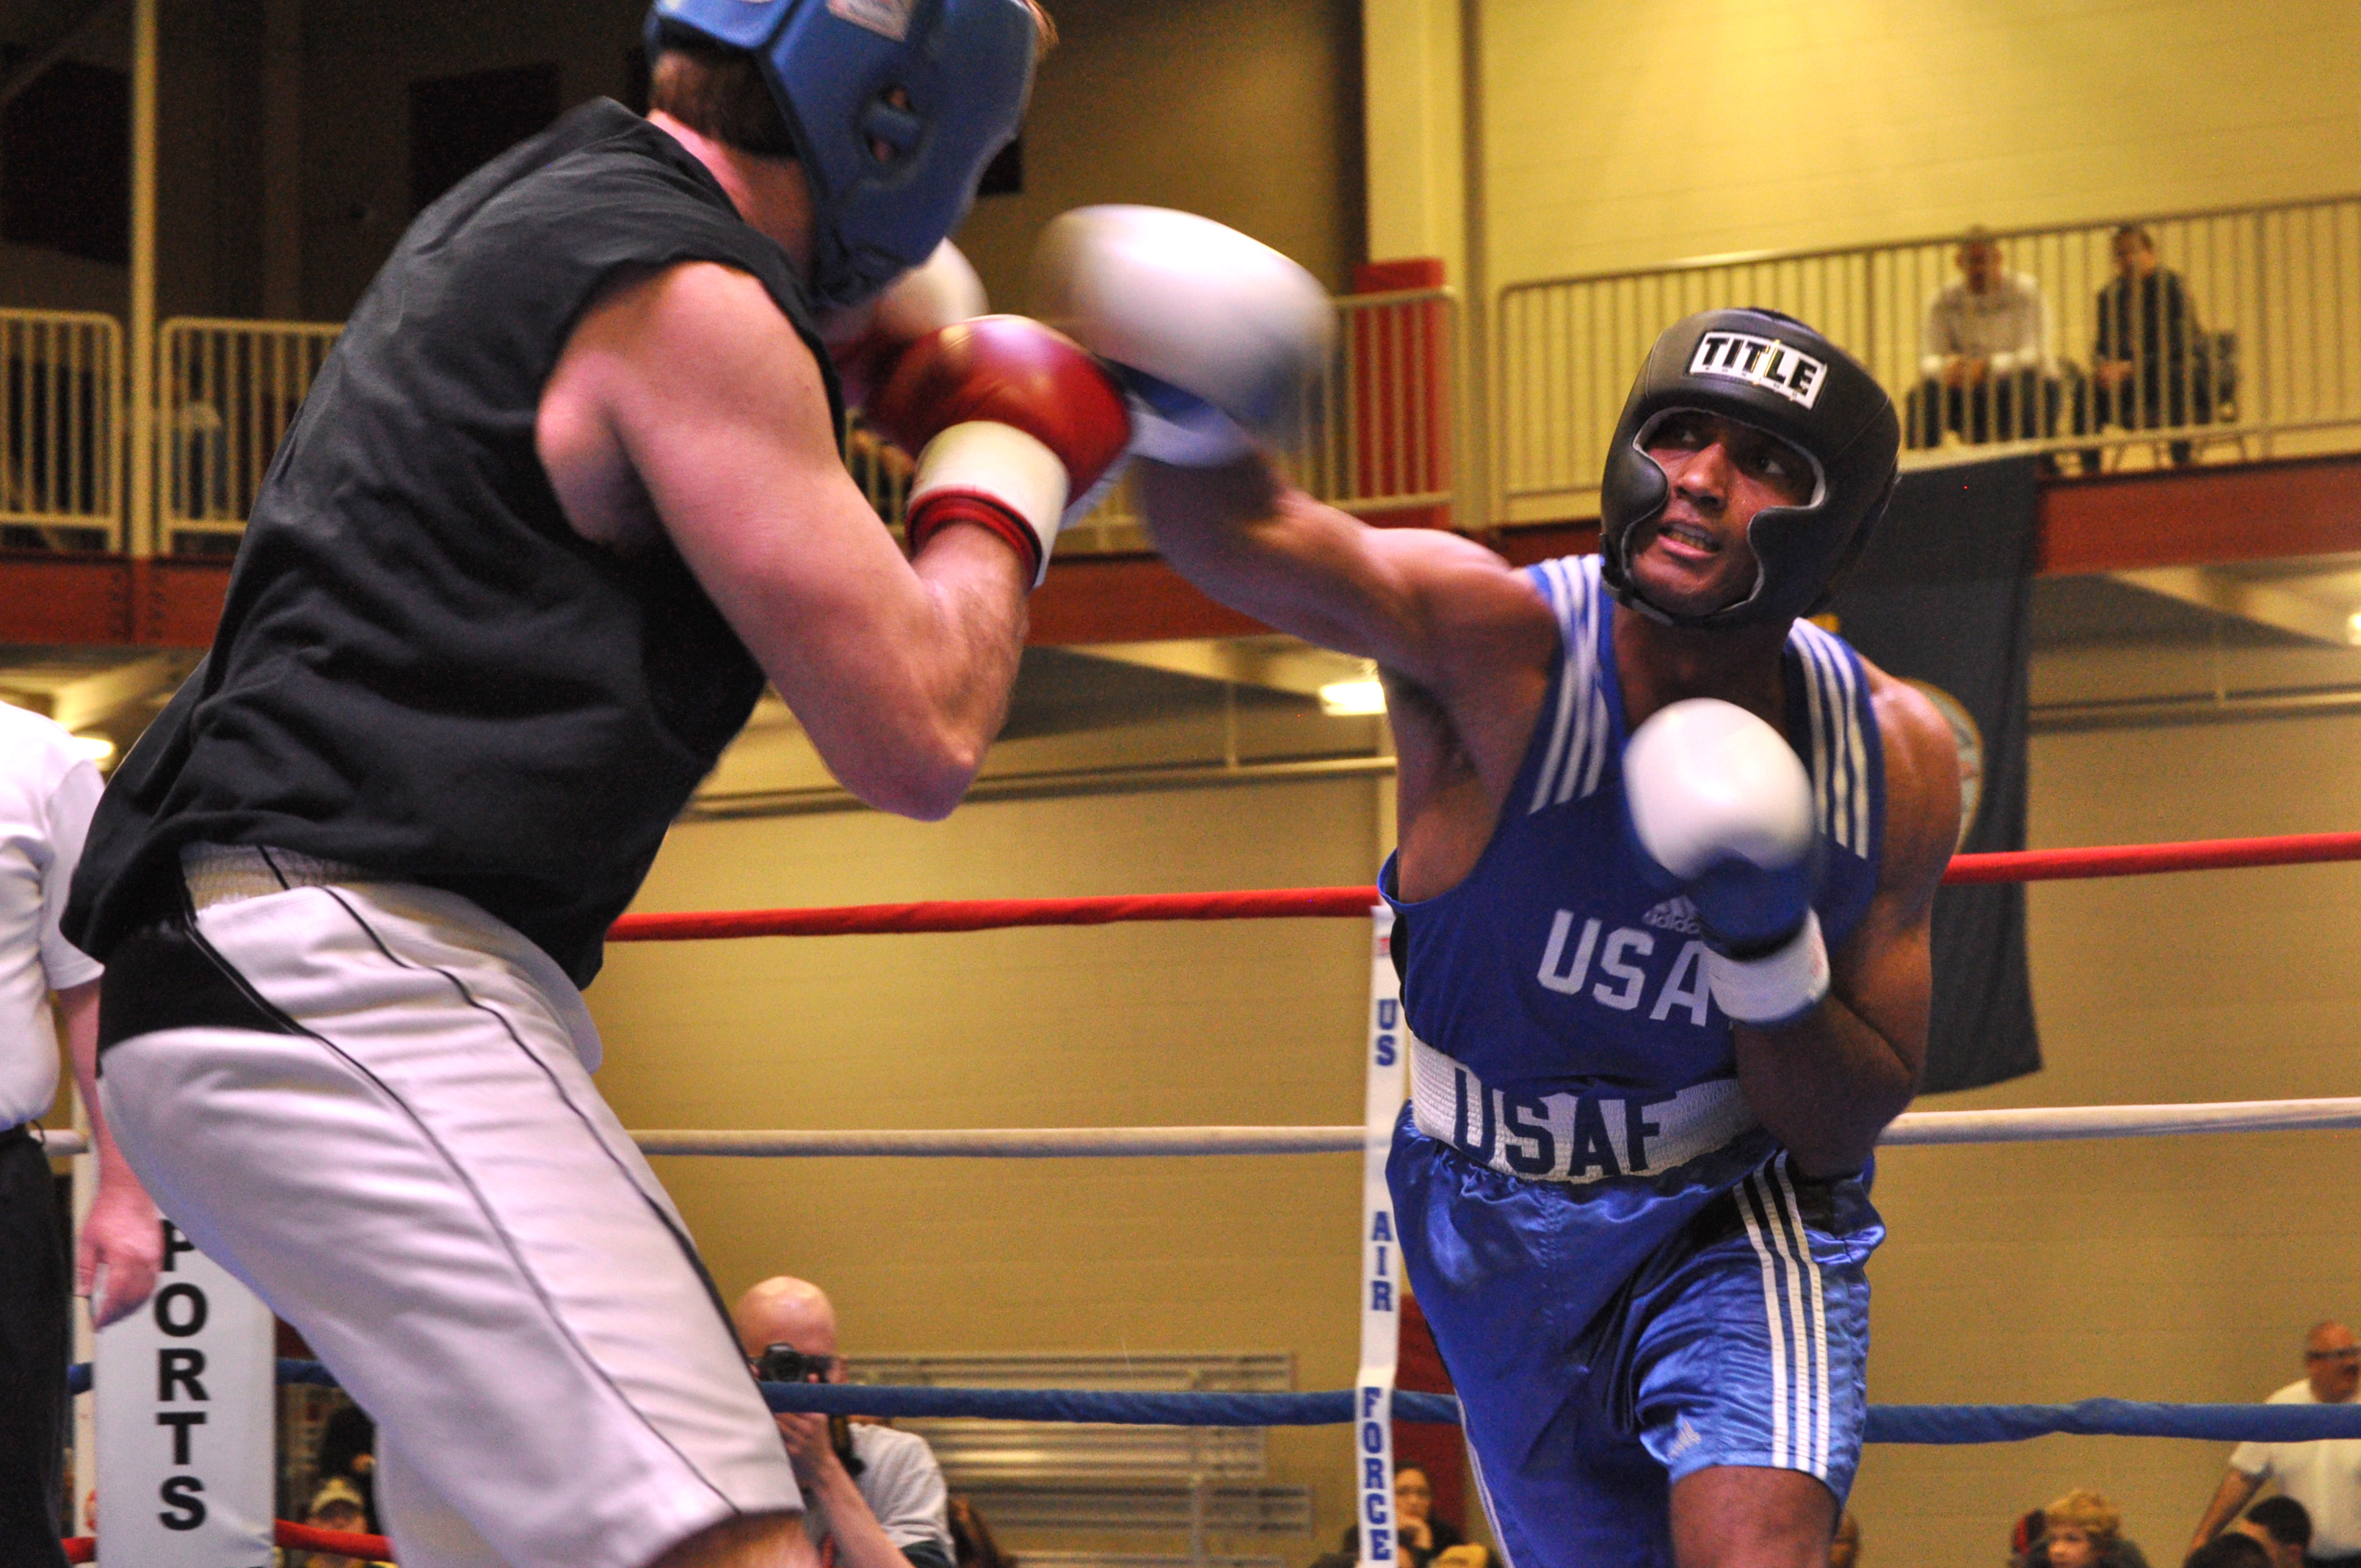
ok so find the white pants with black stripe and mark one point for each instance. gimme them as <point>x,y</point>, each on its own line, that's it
<point>408,1161</point>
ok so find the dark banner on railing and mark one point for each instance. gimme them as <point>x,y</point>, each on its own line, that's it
<point>1943,599</point>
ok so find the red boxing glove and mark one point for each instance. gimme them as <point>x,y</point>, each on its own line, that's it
<point>1011,422</point>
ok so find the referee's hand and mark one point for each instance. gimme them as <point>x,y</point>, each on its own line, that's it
<point>122,1246</point>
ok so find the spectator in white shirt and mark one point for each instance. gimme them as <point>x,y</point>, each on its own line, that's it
<point>2324,1477</point>
<point>1984,354</point>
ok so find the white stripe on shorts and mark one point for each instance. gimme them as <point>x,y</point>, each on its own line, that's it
<point>1819,1340</point>
<point>1781,1449</point>
<point>1773,1217</point>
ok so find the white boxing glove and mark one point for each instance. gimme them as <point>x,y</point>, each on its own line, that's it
<point>866,341</point>
<point>1721,805</point>
<point>940,291</point>
<point>1217,336</point>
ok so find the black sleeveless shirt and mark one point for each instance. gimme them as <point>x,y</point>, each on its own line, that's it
<point>422,669</point>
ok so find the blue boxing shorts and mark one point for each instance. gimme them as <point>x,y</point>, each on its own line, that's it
<point>1609,1338</point>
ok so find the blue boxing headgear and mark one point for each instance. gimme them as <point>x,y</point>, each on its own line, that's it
<point>966,67</point>
<point>1777,375</point>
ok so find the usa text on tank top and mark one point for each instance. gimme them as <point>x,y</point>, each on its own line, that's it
<point>1557,965</point>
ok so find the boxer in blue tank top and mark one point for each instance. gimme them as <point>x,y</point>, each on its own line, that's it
<point>1667,856</point>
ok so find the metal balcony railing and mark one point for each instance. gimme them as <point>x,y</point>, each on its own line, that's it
<point>1200,1482</point>
<point>228,391</point>
<point>1376,432</point>
<point>2253,347</point>
<point>2255,341</point>
<point>62,449</point>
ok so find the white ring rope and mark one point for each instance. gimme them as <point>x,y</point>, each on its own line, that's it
<point>1009,1143</point>
<point>2043,1125</point>
<point>2050,1123</point>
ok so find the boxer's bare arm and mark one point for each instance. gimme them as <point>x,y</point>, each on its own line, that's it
<point>1826,1084</point>
<point>1435,609</point>
<point>685,403</point>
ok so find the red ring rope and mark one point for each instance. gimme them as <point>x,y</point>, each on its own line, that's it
<point>1282,904</point>
<point>343,1542</point>
<point>284,1532</point>
<point>993,914</point>
<point>2146,860</point>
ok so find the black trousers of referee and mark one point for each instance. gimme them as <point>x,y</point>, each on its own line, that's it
<point>34,1340</point>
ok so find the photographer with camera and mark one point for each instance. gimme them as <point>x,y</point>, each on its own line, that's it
<point>873,1496</point>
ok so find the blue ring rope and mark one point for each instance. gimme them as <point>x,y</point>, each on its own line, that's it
<point>1887,1423</point>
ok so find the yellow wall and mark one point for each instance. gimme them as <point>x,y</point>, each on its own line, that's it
<point>1247,111</point>
<point>1238,1022</point>
<point>1620,136</point>
<point>1413,73</point>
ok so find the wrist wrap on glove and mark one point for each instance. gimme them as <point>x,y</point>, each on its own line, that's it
<point>1011,422</point>
<point>1777,987</point>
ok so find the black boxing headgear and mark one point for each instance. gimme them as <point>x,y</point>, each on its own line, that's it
<point>1772,372</point>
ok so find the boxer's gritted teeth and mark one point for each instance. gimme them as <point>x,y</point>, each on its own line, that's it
<point>1691,534</point>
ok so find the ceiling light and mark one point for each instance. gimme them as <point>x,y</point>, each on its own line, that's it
<point>1353,700</point>
<point>2353,627</point>
<point>97,748</point>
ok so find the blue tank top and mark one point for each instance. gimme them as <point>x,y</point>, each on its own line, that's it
<point>1556,967</point>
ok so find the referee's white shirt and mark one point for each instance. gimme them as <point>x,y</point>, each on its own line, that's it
<point>48,791</point>
<point>2324,1477</point>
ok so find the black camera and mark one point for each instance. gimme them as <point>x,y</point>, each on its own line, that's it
<point>786,1364</point>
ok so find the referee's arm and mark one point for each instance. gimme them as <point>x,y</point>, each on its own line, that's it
<point>2236,1490</point>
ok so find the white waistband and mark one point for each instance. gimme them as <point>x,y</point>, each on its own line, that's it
<point>223,873</point>
<point>1571,1137</point>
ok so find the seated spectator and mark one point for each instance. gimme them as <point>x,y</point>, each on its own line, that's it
<point>1844,1547</point>
<point>2229,1549</point>
<point>2150,366</point>
<point>348,1448</point>
<point>2081,1530</point>
<point>873,1497</point>
<point>1422,1534</point>
<point>336,1506</point>
<point>1426,1542</point>
<point>2283,1526</point>
<point>972,1543</point>
<point>1984,355</point>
